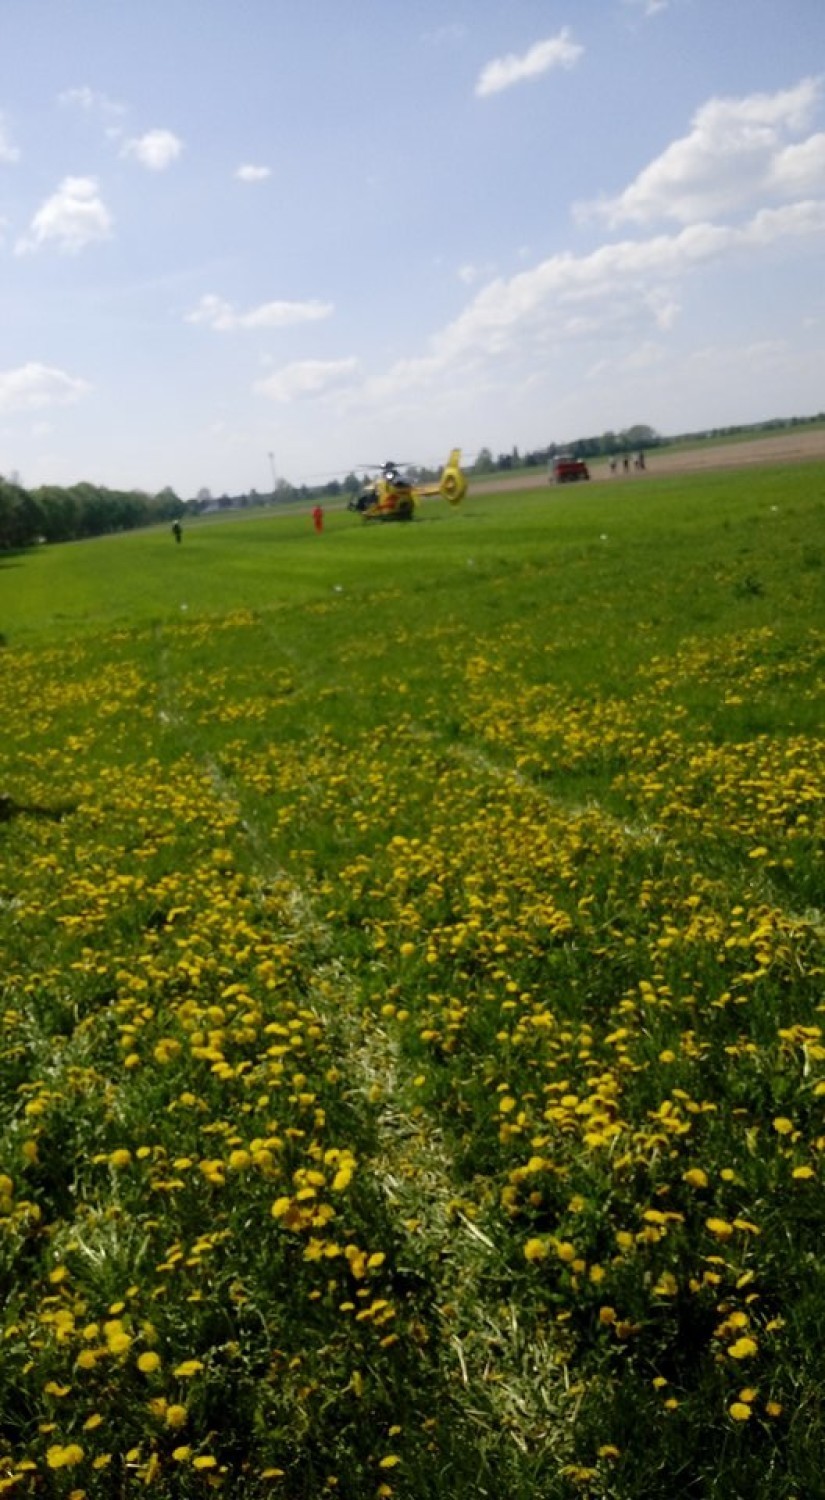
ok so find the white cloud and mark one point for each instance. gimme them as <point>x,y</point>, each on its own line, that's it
<point>735,150</point>
<point>650,7</point>
<point>73,217</point>
<point>250,173</point>
<point>799,168</point>
<point>91,101</point>
<point>8,152</point>
<point>470,273</point>
<point>156,150</point>
<point>32,386</point>
<point>222,316</point>
<point>308,377</point>
<point>503,72</point>
<point>624,287</point>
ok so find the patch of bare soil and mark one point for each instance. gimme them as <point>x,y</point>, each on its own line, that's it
<point>791,447</point>
<point>776,448</point>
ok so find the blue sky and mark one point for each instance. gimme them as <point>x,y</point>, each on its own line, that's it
<point>238,235</point>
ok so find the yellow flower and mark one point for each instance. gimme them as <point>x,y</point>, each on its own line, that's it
<point>120,1158</point>
<point>696,1178</point>
<point>188,1368</point>
<point>535,1249</point>
<point>175,1415</point>
<point>60,1456</point>
<point>782,1125</point>
<point>744,1348</point>
<point>117,1339</point>
<point>720,1228</point>
<point>204,1461</point>
<point>390,1461</point>
<point>149,1362</point>
<point>739,1411</point>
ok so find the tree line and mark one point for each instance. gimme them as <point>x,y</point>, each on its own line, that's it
<point>630,440</point>
<point>52,513</point>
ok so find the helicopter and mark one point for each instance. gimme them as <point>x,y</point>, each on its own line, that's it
<point>391,497</point>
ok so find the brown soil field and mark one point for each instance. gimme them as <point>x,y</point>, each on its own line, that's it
<point>777,448</point>
<point>795,446</point>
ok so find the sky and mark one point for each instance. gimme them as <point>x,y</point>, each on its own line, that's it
<point>250,240</point>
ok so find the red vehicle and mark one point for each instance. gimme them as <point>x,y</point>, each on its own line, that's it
<point>565,469</point>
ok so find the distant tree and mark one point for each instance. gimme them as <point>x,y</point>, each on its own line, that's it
<point>168,505</point>
<point>639,436</point>
<point>21,517</point>
<point>484,463</point>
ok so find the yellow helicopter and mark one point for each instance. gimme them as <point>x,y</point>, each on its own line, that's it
<point>391,497</point>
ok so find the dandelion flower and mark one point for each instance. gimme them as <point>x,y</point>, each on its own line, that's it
<point>743,1348</point>
<point>720,1228</point>
<point>64,1456</point>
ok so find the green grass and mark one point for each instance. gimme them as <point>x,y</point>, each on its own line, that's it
<point>578,542</point>
<point>411,1065</point>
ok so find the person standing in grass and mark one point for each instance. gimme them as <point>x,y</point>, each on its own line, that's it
<point>177,531</point>
<point>318,518</point>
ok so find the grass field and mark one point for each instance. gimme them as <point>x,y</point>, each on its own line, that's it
<point>412,1075</point>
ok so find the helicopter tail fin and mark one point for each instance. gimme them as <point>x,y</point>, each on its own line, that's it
<point>453,483</point>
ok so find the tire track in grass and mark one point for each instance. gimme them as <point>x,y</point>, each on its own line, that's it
<point>506,1379</point>
<point>509,1391</point>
